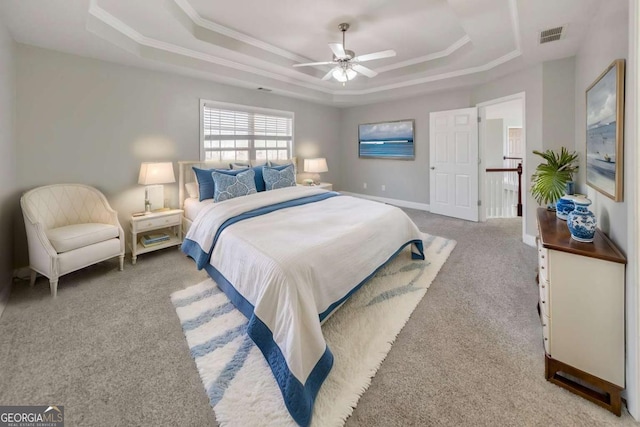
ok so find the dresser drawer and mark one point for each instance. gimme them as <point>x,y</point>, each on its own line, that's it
<point>546,335</point>
<point>543,263</point>
<point>155,223</point>
<point>543,288</point>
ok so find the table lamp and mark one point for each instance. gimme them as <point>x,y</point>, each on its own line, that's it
<point>316,166</point>
<point>153,175</point>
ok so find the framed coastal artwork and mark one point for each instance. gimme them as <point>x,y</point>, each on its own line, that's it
<point>605,131</point>
<point>386,140</point>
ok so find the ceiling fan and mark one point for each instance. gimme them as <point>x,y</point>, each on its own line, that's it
<point>347,64</point>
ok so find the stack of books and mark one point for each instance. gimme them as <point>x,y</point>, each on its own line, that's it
<point>153,239</point>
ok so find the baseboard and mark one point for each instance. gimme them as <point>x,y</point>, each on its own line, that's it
<point>395,202</point>
<point>529,240</point>
<point>4,296</point>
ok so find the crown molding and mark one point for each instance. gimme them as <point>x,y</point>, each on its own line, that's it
<point>443,53</point>
<point>198,20</point>
<point>458,73</point>
<point>142,41</point>
<point>115,23</point>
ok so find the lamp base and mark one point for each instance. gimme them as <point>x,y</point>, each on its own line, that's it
<point>154,196</point>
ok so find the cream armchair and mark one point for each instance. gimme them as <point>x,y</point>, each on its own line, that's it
<point>69,227</point>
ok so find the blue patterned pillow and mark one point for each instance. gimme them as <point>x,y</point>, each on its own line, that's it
<point>229,186</point>
<point>205,183</point>
<point>278,177</point>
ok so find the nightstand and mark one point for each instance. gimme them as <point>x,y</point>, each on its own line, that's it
<point>169,222</point>
<point>323,185</point>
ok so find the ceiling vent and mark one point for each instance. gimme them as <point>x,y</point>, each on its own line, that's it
<point>552,34</point>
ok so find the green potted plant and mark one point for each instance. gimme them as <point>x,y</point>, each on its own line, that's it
<point>549,181</point>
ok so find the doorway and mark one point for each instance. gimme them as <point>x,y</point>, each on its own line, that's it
<point>502,147</point>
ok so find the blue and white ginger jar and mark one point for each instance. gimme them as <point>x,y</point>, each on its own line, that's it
<point>581,221</point>
<point>564,206</point>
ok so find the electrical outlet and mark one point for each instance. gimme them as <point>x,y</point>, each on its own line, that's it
<point>383,188</point>
<point>364,185</point>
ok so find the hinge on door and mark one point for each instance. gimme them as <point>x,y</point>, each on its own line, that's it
<point>479,119</point>
<point>479,161</point>
<point>479,202</point>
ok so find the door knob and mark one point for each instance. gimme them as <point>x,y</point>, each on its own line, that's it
<point>433,167</point>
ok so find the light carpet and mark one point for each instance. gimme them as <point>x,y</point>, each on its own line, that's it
<point>241,388</point>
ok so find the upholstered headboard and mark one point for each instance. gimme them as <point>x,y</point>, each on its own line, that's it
<point>187,175</point>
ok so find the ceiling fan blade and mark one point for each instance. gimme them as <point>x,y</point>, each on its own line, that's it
<point>376,55</point>
<point>364,70</point>
<point>314,63</point>
<point>338,50</point>
<point>328,75</point>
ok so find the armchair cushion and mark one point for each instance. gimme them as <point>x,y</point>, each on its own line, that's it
<point>70,237</point>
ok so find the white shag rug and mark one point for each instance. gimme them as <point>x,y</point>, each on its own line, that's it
<point>241,388</point>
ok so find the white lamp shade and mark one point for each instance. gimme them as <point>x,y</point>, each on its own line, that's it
<point>318,165</point>
<point>156,173</point>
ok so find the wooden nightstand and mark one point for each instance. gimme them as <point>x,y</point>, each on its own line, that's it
<point>169,222</point>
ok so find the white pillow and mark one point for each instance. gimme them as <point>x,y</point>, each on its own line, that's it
<point>192,189</point>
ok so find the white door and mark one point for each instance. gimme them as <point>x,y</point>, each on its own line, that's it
<point>453,154</point>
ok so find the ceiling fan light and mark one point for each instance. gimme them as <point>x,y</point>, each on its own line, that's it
<point>343,75</point>
<point>340,75</point>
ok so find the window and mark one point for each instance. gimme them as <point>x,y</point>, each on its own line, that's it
<point>241,133</point>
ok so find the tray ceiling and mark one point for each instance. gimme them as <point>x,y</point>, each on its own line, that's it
<point>440,44</point>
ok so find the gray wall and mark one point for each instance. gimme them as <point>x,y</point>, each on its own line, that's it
<point>8,186</point>
<point>94,122</point>
<point>558,104</point>
<point>606,40</point>
<point>404,180</point>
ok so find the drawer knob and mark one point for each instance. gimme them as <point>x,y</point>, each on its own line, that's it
<point>542,257</point>
<point>542,286</point>
<point>542,267</point>
<point>543,302</point>
<point>546,339</point>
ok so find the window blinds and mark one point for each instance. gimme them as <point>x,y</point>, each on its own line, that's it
<point>241,135</point>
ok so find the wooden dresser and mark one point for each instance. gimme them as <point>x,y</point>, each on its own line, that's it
<point>582,312</point>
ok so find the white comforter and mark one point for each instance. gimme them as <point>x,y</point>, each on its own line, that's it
<point>296,263</point>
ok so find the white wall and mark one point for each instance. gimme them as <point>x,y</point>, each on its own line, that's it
<point>494,143</point>
<point>404,179</point>
<point>8,186</point>
<point>90,121</point>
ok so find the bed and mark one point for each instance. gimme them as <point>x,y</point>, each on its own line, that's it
<point>287,259</point>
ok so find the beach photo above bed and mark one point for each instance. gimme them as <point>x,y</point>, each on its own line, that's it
<point>237,379</point>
